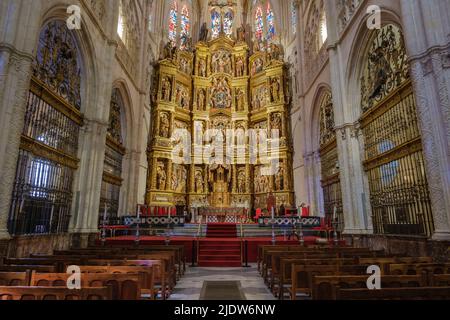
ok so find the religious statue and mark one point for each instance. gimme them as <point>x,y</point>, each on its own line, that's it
<point>161,177</point>
<point>240,67</point>
<point>201,100</point>
<point>198,182</point>
<point>241,34</point>
<point>220,94</point>
<point>184,99</point>
<point>166,89</point>
<point>241,181</point>
<point>274,52</point>
<point>275,90</point>
<point>164,125</point>
<point>203,33</point>
<point>276,122</point>
<point>279,179</point>
<point>257,66</point>
<point>202,68</point>
<point>240,99</point>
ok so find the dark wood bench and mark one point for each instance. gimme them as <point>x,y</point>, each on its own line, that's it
<point>11,279</point>
<point>324,287</point>
<point>124,286</point>
<point>51,293</point>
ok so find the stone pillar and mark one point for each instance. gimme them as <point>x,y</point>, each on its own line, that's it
<point>427,38</point>
<point>17,41</point>
<point>14,85</point>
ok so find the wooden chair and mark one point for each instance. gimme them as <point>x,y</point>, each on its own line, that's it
<point>51,293</point>
<point>124,286</point>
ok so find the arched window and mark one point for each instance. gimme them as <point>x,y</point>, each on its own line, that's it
<point>259,24</point>
<point>228,23</point>
<point>112,169</point>
<point>215,24</point>
<point>294,17</point>
<point>270,23</point>
<point>185,27</point>
<point>42,191</point>
<point>173,20</point>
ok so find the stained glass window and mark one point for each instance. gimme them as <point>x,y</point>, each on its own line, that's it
<point>293,17</point>
<point>185,27</point>
<point>259,24</point>
<point>173,18</point>
<point>228,23</point>
<point>270,23</point>
<point>215,23</point>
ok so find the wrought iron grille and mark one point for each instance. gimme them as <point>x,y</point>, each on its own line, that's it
<point>331,185</point>
<point>49,126</point>
<point>395,167</point>
<point>109,197</point>
<point>42,196</point>
<point>394,161</point>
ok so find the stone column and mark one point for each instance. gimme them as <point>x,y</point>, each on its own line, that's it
<point>14,85</point>
<point>427,38</point>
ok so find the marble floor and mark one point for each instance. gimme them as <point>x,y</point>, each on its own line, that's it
<point>190,285</point>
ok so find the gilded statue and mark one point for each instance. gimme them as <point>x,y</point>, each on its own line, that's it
<point>240,100</point>
<point>164,125</point>
<point>166,89</point>
<point>202,68</point>
<point>279,179</point>
<point>198,182</point>
<point>276,122</point>
<point>161,177</point>
<point>241,181</point>
<point>275,90</point>
<point>204,32</point>
<point>241,34</point>
<point>201,100</point>
<point>240,67</point>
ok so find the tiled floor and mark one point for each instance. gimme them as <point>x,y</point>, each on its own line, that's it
<point>190,285</point>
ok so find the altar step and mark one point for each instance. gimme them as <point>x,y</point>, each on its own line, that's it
<point>221,230</point>
<point>219,253</point>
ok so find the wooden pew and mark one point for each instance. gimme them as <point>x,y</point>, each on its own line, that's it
<point>418,268</point>
<point>124,286</point>
<point>302,275</point>
<point>160,276</point>
<point>439,280</point>
<point>423,293</point>
<point>51,293</point>
<point>24,268</point>
<point>324,287</point>
<point>11,279</point>
<point>148,289</point>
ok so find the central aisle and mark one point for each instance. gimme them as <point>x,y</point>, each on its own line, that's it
<point>252,284</point>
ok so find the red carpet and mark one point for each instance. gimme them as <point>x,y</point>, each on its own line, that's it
<point>219,253</point>
<point>221,230</point>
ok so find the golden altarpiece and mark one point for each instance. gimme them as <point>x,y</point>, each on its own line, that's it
<point>221,87</point>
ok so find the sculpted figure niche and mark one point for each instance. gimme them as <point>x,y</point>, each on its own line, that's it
<point>164,125</point>
<point>166,89</point>
<point>161,177</point>
<point>221,62</point>
<point>220,94</point>
<point>201,100</point>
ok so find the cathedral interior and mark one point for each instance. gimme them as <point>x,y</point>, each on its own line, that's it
<point>92,92</point>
